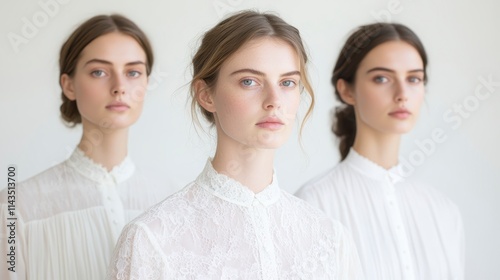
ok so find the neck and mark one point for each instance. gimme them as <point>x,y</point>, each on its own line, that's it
<point>250,166</point>
<point>383,149</point>
<point>105,147</point>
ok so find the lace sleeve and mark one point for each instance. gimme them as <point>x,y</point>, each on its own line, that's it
<point>136,255</point>
<point>349,265</point>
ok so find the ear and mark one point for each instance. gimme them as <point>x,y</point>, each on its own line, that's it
<point>345,91</point>
<point>67,86</point>
<point>204,96</point>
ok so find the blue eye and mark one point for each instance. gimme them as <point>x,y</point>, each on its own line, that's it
<point>288,83</point>
<point>97,73</point>
<point>134,73</point>
<point>248,82</point>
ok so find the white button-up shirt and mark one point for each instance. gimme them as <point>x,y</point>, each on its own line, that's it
<point>403,230</point>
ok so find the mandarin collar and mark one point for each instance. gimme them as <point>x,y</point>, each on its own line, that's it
<point>228,189</point>
<point>96,172</point>
<point>373,170</point>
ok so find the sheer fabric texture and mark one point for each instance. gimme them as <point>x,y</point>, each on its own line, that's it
<point>70,216</point>
<point>216,228</point>
<point>402,229</point>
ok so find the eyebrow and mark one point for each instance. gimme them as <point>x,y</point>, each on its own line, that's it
<point>96,60</point>
<point>259,73</point>
<point>390,70</point>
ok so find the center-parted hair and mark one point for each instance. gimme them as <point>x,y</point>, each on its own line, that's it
<point>358,45</point>
<point>223,40</point>
<point>87,32</point>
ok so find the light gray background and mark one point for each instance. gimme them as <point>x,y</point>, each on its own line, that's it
<point>461,38</point>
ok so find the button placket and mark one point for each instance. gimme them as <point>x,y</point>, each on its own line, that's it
<point>401,237</point>
<point>113,205</point>
<point>265,244</point>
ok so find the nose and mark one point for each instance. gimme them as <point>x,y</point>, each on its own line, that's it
<point>272,100</point>
<point>118,87</point>
<point>401,94</point>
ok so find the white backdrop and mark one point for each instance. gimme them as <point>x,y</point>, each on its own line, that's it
<point>454,146</point>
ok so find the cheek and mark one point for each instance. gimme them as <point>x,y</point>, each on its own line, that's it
<point>370,103</point>
<point>87,91</point>
<point>418,100</point>
<point>137,90</point>
<point>232,107</point>
<point>289,111</point>
<point>138,93</point>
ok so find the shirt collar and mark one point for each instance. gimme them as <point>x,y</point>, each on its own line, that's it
<point>96,172</point>
<point>373,170</point>
<point>233,191</point>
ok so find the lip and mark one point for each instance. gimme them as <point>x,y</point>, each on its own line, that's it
<point>118,106</point>
<point>271,123</point>
<point>400,114</point>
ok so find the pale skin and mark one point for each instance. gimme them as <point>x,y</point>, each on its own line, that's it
<point>387,95</point>
<point>109,86</point>
<point>254,102</point>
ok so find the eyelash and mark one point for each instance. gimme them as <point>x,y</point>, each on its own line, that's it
<point>292,83</point>
<point>138,73</point>
<point>94,73</point>
<point>131,73</point>
<point>245,80</point>
<point>377,79</point>
<point>254,83</point>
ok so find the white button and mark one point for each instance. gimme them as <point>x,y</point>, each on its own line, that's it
<point>112,211</point>
<point>109,197</point>
<point>115,222</point>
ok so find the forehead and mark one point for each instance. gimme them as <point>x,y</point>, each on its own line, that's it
<point>394,55</point>
<point>114,46</point>
<point>266,53</point>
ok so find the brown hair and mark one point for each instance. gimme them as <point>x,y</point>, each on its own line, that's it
<point>358,45</point>
<point>220,42</point>
<point>87,32</point>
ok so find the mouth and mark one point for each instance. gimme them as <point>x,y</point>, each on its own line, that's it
<point>118,106</point>
<point>271,123</point>
<point>400,114</point>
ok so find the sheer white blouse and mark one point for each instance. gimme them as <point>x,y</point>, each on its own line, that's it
<point>402,230</point>
<point>216,228</point>
<point>70,216</point>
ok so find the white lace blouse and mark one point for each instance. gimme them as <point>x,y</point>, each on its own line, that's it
<point>70,216</point>
<point>216,228</point>
<point>403,230</point>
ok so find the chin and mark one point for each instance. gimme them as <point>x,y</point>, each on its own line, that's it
<point>402,130</point>
<point>271,145</point>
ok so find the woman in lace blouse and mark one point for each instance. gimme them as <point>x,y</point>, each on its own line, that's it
<point>403,229</point>
<point>234,221</point>
<point>70,216</point>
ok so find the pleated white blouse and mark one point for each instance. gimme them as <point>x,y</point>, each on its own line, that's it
<point>70,216</point>
<point>403,230</point>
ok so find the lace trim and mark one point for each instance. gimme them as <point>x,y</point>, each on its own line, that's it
<point>96,172</point>
<point>233,191</point>
<point>372,169</point>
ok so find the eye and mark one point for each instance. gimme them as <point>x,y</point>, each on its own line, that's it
<point>134,73</point>
<point>380,79</point>
<point>414,80</point>
<point>248,82</point>
<point>288,83</point>
<point>97,73</point>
